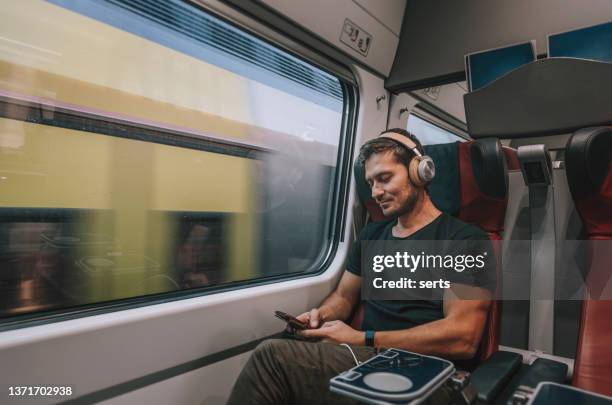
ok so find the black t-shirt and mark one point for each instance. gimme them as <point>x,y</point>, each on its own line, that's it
<point>395,315</point>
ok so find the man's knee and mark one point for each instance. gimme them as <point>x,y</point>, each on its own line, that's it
<point>272,349</point>
<point>261,379</point>
<point>284,353</point>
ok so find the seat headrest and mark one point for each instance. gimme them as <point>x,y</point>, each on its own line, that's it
<point>444,189</point>
<point>587,160</point>
<point>484,184</point>
<point>489,167</point>
<point>456,183</point>
<point>588,163</point>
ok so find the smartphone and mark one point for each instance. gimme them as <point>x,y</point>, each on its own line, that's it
<point>291,320</point>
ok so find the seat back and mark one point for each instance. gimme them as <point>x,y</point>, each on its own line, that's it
<point>484,198</point>
<point>589,174</point>
<point>471,183</point>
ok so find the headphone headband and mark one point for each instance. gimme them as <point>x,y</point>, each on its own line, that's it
<point>404,140</point>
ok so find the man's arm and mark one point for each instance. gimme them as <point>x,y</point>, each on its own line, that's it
<point>338,305</point>
<point>456,336</point>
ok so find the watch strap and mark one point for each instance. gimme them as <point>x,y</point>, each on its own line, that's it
<point>369,338</point>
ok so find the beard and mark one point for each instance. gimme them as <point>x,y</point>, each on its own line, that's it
<point>408,205</point>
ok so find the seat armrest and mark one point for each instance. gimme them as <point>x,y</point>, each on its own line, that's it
<point>544,370</point>
<point>493,374</point>
<point>541,370</point>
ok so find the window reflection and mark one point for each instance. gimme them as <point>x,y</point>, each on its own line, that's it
<point>430,134</point>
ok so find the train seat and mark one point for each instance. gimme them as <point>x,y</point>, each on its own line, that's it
<point>471,183</point>
<point>589,174</point>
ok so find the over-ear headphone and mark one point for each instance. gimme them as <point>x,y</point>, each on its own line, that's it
<point>422,168</point>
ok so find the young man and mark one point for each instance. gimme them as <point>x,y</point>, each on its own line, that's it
<point>289,371</point>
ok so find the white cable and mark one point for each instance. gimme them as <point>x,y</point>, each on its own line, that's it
<point>357,362</point>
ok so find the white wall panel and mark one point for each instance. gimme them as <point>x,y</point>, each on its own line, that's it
<point>327,18</point>
<point>388,12</point>
<point>448,98</point>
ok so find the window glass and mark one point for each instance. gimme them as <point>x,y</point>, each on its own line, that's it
<point>430,134</point>
<point>149,147</point>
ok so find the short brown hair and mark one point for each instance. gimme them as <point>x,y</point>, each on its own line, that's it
<point>381,145</point>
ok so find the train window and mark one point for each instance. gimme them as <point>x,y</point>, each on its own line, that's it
<point>429,133</point>
<point>150,147</point>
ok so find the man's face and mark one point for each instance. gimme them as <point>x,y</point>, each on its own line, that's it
<point>391,187</point>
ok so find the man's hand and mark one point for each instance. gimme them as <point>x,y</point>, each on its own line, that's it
<point>312,318</point>
<point>336,332</point>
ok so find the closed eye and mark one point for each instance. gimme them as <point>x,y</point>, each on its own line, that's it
<point>381,178</point>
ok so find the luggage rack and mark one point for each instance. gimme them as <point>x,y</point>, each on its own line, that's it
<point>547,97</point>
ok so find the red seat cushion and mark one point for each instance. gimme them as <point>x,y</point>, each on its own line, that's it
<point>589,173</point>
<point>596,209</point>
<point>511,158</point>
<point>478,207</point>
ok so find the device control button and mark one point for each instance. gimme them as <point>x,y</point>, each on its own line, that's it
<point>389,354</point>
<point>350,375</point>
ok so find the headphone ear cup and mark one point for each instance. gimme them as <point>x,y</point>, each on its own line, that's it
<point>426,169</point>
<point>413,172</point>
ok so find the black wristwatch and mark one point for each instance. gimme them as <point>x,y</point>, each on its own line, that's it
<point>369,338</point>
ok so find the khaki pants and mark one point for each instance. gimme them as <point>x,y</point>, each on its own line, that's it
<point>284,371</point>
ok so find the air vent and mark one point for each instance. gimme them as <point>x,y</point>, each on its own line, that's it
<point>205,29</point>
